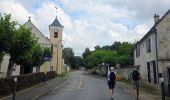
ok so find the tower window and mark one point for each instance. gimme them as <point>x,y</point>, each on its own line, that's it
<point>55,34</point>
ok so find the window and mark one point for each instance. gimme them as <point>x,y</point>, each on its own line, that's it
<point>55,34</point>
<point>148,45</point>
<point>138,51</point>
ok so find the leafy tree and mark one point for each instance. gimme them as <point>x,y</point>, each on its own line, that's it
<point>100,56</point>
<point>118,52</point>
<point>68,56</point>
<point>97,47</point>
<point>7,34</point>
<point>20,47</point>
<point>86,53</point>
<point>78,61</point>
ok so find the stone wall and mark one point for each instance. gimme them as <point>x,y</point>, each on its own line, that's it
<point>124,72</point>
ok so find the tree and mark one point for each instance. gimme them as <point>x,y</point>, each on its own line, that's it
<point>118,52</point>
<point>78,61</point>
<point>7,34</point>
<point>101,56</point>
<point>20,47</point>
<point>97,47</point>
<point>68,56</point>
<point>86,53</point>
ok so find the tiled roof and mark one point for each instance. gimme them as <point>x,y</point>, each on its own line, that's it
<point>56,23</point>
<point>153,29</point>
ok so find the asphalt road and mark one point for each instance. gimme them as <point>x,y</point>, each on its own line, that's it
<point>85,87</point>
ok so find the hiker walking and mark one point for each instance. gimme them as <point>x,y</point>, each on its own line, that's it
<point>135,76</point>
<point>111,76</point>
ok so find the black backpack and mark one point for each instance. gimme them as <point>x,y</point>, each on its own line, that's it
<point>112,76</point>
<point>135,75</point>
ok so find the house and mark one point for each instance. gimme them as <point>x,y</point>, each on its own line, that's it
<point>152,52</point>
<point>55,42</point>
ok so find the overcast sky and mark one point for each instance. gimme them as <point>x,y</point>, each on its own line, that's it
<point>88,23</point>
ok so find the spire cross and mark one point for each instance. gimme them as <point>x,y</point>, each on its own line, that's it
<point>56,8</point>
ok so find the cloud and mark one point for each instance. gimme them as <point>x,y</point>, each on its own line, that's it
<point>88,23</point>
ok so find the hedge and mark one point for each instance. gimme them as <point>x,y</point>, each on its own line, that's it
<point>23,81</point>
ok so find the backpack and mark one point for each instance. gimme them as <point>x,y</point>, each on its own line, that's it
<point>112,76</point>
<point>135,75</point>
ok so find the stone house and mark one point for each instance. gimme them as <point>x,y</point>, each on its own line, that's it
<point>152,52</point>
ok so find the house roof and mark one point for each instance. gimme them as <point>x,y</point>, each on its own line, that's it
<point>153,29</point>
<point>43,36</point>
<point>56,23</point>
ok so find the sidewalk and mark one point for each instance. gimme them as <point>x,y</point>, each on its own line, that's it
<point>143,95</point>
<point>39,90</point>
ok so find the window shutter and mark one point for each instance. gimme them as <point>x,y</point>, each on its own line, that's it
<point>149,76</point>
<point>154,70</point>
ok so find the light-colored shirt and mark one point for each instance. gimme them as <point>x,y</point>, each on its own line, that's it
<point>108,74</point>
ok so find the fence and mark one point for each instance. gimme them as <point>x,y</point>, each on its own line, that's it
<point>23,81</point>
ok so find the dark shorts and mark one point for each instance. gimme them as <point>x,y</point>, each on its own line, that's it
<point>111,84</point>
<point>135,84</point>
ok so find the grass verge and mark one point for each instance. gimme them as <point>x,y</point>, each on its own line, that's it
<point>63,74</point>
<point>144,88</point>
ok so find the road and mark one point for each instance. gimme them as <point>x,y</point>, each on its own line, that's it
<point>85,87</point>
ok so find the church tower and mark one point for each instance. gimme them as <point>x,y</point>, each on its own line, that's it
<point>56,32</point>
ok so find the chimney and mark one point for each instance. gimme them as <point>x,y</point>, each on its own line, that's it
<point>156,18</point>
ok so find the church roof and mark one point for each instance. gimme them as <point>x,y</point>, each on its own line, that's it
<point>56,23</point>
<point>42,39</point>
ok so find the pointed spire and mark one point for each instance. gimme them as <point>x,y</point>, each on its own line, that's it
<point>56,22</point>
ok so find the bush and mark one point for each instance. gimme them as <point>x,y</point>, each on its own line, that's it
<point>23,81</point>
<point>62,74</point>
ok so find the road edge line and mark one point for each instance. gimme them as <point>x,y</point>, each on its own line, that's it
<point>51,89</point>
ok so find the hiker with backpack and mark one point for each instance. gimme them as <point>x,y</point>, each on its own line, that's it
<point>111,78</point>
<point>135,76</point>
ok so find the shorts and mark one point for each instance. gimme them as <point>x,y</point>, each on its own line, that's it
<point>135,84</point>
<point>111,84</point>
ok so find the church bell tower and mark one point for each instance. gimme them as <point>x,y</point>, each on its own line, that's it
<point>56,32</point>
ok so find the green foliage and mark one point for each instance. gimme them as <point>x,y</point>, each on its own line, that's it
<point>118,52</point>
<point>47,52</point>
<point>7,32</point>
<point>86,53</point>
<point>68,56</point>
<point>20,44</point>
<point>37,56</point>
<point>100,56</point>
<point>63,74</point>
<point>7,28</point>
<point>78,61</point>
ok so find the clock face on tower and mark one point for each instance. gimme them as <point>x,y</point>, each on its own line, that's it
<point>55,34</point>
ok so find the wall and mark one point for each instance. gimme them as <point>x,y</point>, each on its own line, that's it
<point>124,72</point>
<point>41,38</point>
<point>163,32</point>
<point>145,56</point>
